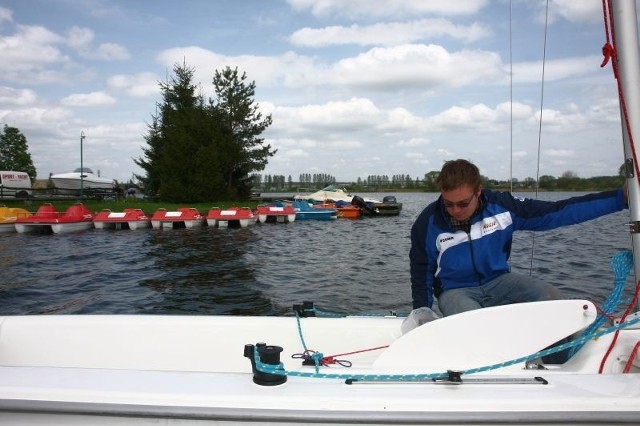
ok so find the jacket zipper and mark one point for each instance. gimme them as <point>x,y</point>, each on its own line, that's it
<point>473,259</point>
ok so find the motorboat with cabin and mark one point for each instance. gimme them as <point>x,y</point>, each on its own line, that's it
<point>81,178</point>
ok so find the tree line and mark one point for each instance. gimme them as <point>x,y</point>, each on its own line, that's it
<point>568,181</point>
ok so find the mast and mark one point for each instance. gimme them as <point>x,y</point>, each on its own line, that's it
<point>626,37</point>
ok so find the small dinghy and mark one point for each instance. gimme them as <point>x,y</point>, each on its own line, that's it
<point>305,211</point>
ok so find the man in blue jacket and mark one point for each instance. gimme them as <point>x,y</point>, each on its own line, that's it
<point>460,243</point>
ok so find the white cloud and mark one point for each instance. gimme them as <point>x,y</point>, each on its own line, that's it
<point>16,97</point>
<point>476,117</point>
<point>6,15</point>
<point>419,65</point>
<point>364,8</point>
<point>387,33</point>
<point>412,143</point>
<point>573,11</point>
<point>31,47</point>
<point>138,85</point>
<point>560,153</point>
<point>37,118</point>
<point>81,39</point>
<point>353,114</point>
<point>111,51</point>
<point>268,71</point>
<point>93,99</point>
<point>555,69</point>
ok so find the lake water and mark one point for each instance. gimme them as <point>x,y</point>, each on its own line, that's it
<point>347,266</point>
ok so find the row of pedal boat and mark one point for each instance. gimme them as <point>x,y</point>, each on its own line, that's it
<point>78,217</point>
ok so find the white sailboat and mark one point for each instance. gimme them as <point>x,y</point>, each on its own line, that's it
<point>479,367</point>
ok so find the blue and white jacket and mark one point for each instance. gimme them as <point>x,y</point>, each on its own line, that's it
<point>442,258</point>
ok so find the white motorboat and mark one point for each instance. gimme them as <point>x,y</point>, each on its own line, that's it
<point>84,178</point>
<point>480,367</point>
<point>333,193</point>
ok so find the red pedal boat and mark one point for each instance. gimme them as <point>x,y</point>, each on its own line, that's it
<point>128,219</point>
<point>232,216</point>
<point>47,219</point>
<point>184,217</point>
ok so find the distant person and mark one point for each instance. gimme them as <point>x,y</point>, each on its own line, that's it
<point>131,192</point>
<point>460,243</point>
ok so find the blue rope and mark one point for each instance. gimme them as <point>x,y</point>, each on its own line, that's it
<point>621,266</point>
<point>280,370</point>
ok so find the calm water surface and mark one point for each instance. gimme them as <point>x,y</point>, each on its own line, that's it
<point>349,266</point>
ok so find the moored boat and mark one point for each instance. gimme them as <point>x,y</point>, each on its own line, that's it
<point>332,194</point>
<point>184,217</point>
<point>232,216</point>
<point>305,211</point>
<point>388,207</point>
<point>47,219</point>
<point>9,216</point>
<point>130,218</point>
<point>81,178</point>
<point>344,210</point>
<point>275,212</point>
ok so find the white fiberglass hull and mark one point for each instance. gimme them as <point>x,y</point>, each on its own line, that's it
<point>73,181</point>
<point>6,228</point>
<point>334,196</point>
<point>86,369</point>
<point>105,397</point>
<point>63,228</point>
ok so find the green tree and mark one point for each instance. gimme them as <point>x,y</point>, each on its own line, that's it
<point>242,124</point>
<point>174,139</point>
<point>430,180</point>
<point>150,160</point>
<point>547,182</point>
<point>182,156</point>
<point>14,152</point>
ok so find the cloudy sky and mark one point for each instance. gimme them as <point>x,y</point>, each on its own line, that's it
<point>355,87</point>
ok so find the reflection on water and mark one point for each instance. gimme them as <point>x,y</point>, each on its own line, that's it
<point>349,266</point>
<point>203,271</point>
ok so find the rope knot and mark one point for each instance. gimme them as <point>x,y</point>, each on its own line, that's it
<point>608,51</point>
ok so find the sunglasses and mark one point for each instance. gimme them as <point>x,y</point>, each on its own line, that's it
<point>460,204</point>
